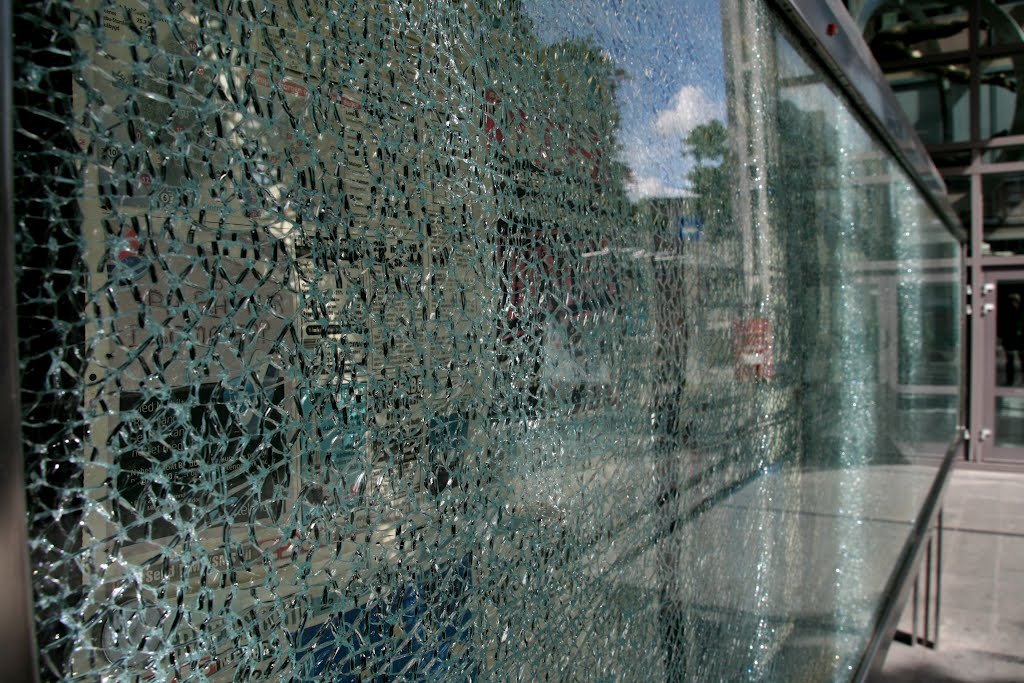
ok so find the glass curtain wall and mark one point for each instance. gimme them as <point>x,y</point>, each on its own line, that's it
<point>956,67</point>
<point>502,340</point>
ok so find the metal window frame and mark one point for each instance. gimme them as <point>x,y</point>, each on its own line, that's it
<point>19,661</point>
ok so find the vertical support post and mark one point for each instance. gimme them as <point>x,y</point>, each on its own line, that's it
<point>976,343</point>
<point>938,577</point>
<point>19,661</point>
<point>976,389</point>
<point>914,610</point>
<point>927,593</point>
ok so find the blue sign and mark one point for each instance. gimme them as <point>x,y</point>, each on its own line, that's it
<point>691,228</point>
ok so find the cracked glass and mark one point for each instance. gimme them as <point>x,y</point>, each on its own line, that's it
<point>490,340</point>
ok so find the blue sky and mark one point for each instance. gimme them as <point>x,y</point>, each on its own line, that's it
<point>672,51</point>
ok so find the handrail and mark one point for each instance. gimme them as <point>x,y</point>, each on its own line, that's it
<point>899,580</point>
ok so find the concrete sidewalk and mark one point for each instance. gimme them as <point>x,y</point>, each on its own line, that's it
<point>981,632</point>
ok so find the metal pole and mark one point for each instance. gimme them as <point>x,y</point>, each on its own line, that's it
<point>927,593</point>
<point>938,578</point>
<point>19,660</point>
<point>914,611</point>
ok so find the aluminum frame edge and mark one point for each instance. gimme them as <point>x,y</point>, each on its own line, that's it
<point>19,661</point>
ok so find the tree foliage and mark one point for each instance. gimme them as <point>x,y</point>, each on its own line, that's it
<point>707,141</point>
<point>711,177</point>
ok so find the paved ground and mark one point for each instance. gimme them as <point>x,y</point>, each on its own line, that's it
<point>981,637</point>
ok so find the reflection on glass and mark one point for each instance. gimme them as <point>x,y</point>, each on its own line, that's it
<point>936,94</point>
<point>947,159</point>
<point>958,191</point>
<point>937,101</point>
<point>1010,422</point>
<point>1003,206</point>
<point>1000,154</point>
<point>476,341</point>
<point>923,417</point>
<point>899,31</point>
<point>927,354</point>
<point>1007,356</point>
<point>1010,335</point>
<point>1001,102</point>
<point>1001,22</point>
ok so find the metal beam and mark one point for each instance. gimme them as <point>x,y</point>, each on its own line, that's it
<point>19,661</point>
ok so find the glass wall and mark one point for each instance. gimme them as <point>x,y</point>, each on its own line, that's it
<point>491,341</point>
<point>957,67</point>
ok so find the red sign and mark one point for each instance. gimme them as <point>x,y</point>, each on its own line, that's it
<point>752,349</point>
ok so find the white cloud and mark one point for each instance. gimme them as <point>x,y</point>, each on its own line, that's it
<point>653,147</point>
<point>690,107</point>
<point>649,186</point>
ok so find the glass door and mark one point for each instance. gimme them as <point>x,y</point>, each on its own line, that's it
<point>1002,437</point>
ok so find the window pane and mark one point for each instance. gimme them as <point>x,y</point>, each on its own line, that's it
<point>898,31</point>
<point>928,355</point>
<point>1000,23</point>
<point>463,341</point>
<point>937,102</point>
<point>1009,422</point>
<point>1004,213</point>
<point>1000,103</point>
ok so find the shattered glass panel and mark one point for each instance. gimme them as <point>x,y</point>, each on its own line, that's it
<point>495,340</point>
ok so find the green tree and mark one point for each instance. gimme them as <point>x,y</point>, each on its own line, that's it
<point>711,177</point>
